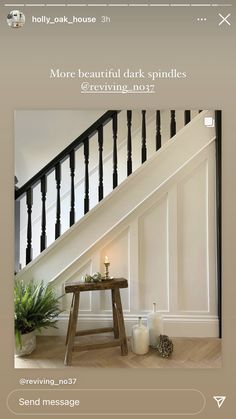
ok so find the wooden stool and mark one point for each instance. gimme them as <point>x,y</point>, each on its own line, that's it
<point>118,320</point>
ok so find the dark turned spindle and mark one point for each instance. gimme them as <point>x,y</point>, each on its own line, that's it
<point>114,131</point>
<point>72,187</point>
<point>58,208</point>
<point>187,117</point>
<point>129,143</point>
<point>100,165</point>
<point>86,176</point>
<point>172,124</point>
<point>158,130</point>
<point>17,231</point>
<point>29,204</point>
<point>144,145</point>
<point>43,237</point>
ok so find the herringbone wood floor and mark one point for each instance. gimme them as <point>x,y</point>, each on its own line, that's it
<point>188,353</point>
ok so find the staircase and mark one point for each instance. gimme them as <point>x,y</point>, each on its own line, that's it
<point>119,220</point>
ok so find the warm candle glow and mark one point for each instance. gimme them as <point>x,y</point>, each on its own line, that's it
<point>106,260</point>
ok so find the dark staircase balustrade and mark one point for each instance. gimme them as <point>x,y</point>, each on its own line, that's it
<point>69,153</point>
<point>55,166</point>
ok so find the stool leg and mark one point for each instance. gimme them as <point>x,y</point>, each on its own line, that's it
<point>121,325</point>
<point>72,331</point>
<point>70,320</point>
<point>114,312</point>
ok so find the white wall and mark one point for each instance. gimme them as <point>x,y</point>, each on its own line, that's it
<point>40,135</point>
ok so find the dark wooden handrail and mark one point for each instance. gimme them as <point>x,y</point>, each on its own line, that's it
<point>64,154</point>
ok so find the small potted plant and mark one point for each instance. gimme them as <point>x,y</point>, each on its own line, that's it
<point>36,307</point>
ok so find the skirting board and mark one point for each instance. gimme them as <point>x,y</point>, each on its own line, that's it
<point>175,326</point>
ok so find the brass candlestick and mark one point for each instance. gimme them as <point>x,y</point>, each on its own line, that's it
<point>106,264</point>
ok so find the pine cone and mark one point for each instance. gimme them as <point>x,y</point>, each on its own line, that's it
<point>165,346</point>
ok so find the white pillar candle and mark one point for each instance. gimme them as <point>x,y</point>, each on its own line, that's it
<point>140,338</point>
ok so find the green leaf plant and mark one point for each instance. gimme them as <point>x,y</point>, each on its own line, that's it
<point>36,307</point>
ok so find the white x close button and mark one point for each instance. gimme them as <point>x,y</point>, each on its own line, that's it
<point>224,19</point>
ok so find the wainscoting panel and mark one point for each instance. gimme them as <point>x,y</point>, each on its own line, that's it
<point>153,257</point>
<point>193,274</point>
<point>117,252</point>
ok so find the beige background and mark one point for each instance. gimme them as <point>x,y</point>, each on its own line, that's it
<point>136,38</point>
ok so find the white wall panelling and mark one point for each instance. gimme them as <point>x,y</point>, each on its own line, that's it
<point>193,278</point>
<point>186,295</point>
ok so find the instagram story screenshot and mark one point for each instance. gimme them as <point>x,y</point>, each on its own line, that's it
<point>118,209</point>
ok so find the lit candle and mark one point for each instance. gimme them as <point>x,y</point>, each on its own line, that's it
<point>106,264</point>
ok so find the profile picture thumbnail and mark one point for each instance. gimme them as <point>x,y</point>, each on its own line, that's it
<point>15,19</point>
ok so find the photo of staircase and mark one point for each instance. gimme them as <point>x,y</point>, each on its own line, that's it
<point>141,188</point>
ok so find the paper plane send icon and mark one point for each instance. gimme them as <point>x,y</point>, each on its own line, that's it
<point>219,400</point>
